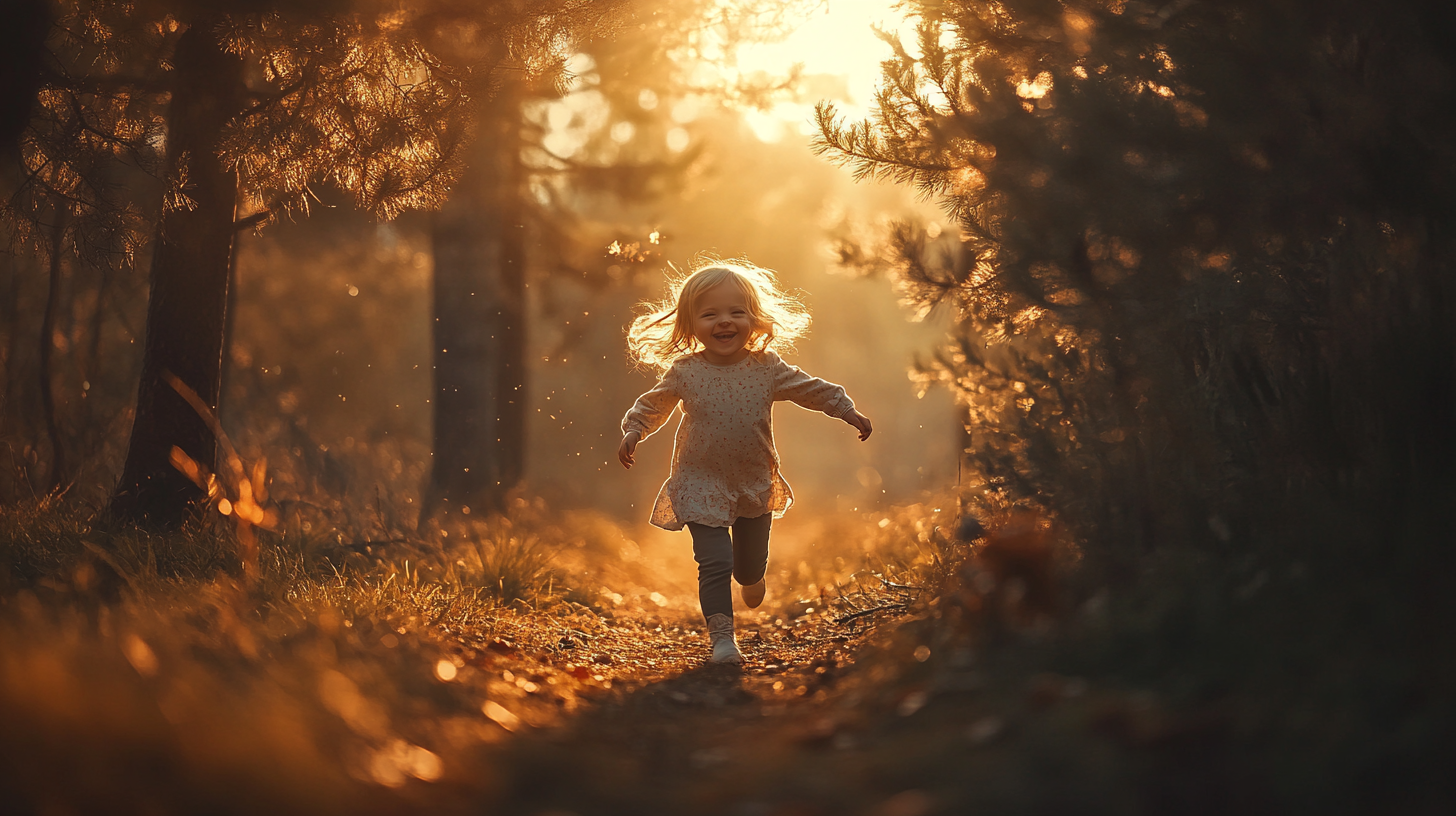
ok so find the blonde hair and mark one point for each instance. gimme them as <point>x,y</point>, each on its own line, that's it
<point>662,333</point>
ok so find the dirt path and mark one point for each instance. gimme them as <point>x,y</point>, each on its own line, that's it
<point>623,714</point>
<point>825,718</point>
<point>392,693</point>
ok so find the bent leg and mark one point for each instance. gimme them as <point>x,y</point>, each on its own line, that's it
<point>750,548</point>
<point>713,550</point>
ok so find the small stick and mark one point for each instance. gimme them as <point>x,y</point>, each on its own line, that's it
<point>870,611</point>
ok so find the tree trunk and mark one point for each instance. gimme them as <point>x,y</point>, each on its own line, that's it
<point>480,325</point>
<point>47,344</point>
<point>12,337</point>
<point>187,308</point>
<point>225,378</point>
<point>92,372</point>
<point>22,59</point>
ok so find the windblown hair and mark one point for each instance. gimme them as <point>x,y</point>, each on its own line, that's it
<point>663,332</point>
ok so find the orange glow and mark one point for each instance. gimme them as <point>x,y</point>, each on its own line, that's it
<point>445,670</point>
<point>1035,88</point>
<point>500,715</point>
<point>835,42</point>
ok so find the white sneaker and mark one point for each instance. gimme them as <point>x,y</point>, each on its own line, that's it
<point>725,646</point>
<point>753,593</point>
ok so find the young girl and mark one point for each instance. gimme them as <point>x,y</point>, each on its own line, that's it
<point>713,339</point>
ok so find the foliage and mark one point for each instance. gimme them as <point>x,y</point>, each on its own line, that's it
<point>1199,269</point>
<point>1201,276</point>
<point>367,97</point>
<point>510,562</point>
<point>363,105</point>
<point>93,135</point>
<point>378,102</point>
<point>51,541</point>
<point>357,96</point>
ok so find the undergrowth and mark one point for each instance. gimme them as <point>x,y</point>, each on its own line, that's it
<point>1263,680</point>
<point>332,672</point>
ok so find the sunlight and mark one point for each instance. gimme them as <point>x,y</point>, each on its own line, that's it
<point>320,327</point>
<point>834,46</point>
<point>840,55</point>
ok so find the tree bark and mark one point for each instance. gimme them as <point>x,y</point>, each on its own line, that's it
<point>187,308</point>
<point>480,325</point>
<point>12,336</point>
<point>22,56</point>
<point>47,344</point>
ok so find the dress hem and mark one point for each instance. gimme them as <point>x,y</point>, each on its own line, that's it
<point>681,522</point>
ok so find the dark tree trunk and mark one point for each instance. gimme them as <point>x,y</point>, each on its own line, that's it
<point>187,308</point>
<point>47,344</point>
<point>22,56</point>
<point>225,378</point>
<point>12,333</point>
<point>480,325</point>
<point>91,373</point>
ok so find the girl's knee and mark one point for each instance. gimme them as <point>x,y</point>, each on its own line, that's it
<point>715,568</point>
<point>714,560</point>
<point>746,577</point>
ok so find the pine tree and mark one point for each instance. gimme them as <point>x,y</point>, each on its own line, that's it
<point>188,301</point>
<point>1202,269</point>
<point>22,50</point>
<point>358,103</point>
<point>258,107</point>
<point>83,154</point>
<point>479,322</point>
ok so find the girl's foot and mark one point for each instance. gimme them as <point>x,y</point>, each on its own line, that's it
<point>725,646</point>
<point>753,593</point>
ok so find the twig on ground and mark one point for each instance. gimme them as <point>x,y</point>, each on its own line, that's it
<point>863,612</point>
<point>360,546</point>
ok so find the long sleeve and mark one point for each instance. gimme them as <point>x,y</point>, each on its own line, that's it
<point>654,408</point>
<point>792,384</point>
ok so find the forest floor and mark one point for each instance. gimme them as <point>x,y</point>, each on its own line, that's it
<point>886,684</point>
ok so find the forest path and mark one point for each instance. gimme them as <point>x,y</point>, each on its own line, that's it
<point>637,721</point>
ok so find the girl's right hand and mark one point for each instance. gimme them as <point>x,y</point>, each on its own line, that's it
<point>626,452</point>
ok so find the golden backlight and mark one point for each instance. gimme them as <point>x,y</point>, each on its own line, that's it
<point>837,48</point>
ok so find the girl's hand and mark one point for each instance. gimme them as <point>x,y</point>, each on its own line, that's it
<point>861,423</point>
<point>626,452</point>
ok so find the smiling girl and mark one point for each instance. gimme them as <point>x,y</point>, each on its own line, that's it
<point>713,339</point>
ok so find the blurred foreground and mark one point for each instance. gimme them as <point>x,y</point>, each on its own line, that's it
<point>554,663</point>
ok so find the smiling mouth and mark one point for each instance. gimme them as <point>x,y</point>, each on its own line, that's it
<point>725,336</point>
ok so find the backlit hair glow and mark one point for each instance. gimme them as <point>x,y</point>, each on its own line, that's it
<point>662,332</point>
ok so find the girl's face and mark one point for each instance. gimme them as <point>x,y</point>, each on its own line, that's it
<point>722,323</point>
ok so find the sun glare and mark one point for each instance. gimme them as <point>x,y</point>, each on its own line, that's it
<point>840,55</point>
<point>834,44</point>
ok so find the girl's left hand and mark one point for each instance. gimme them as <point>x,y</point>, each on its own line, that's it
<point>627,451</point>
<point>861,423</point>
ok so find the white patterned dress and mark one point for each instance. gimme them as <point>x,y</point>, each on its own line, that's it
<point>724,465</point>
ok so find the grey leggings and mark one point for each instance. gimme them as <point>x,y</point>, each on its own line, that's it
<point>744,555</point>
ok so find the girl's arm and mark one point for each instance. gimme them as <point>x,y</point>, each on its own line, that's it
<point>650,412</point>
<point>792,384</point>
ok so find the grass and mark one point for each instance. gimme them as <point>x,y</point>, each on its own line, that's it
<point>149,660</point>
<point>149,669</point>
<point>999,675</point>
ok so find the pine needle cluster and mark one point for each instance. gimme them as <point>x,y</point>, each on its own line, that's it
<point>360,104</point>
<point>94,135</point>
